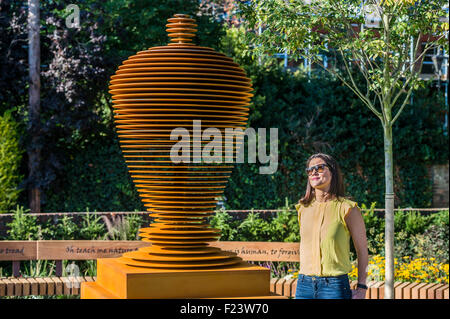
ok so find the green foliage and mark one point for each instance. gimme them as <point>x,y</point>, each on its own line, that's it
<point>402,244</point>
<point>91,228</point>
<point>254,228</point>
<point>441,218</point>
<point>415,234</point>
<point>96,178</point>
<point>23,226</point>
<point>223,221</point>
<point>415,223</point>
<point>76,64</point>
<point>284,226</point>
<point>281,227</point>
<point>134,223</point>
<point>318,114</point>
<point>432,243</point>
<point>134,25</point>
<point>38,268</point>
<point>382,53</point>
<point>66,229</point>
<point>10,158</point>
<point>122,227</point>
<point>371,219</point>
<point>374,230</point>
<point>88,268</point>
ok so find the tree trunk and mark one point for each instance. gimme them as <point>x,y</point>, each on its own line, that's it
<point>34,60</point>
<point>389,213</point>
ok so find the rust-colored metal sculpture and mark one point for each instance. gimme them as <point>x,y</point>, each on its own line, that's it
<point>153,92</point>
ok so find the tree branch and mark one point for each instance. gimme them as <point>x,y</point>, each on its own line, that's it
<point>356,90</point>
<point>364,73</point>
<point>426,49</point>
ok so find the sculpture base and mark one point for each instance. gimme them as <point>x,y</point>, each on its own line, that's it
<point>116,280</point>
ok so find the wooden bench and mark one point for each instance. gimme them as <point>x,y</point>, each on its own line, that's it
<point>403,290</point>
<point>17,251</point>
<point>49,286</point>
<point>58,250</point>
<point>46,286</point>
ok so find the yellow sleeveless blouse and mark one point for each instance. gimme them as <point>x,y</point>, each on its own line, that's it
<point>324,237</point>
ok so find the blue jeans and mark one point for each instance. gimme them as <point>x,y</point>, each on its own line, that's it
<point>313,287</point>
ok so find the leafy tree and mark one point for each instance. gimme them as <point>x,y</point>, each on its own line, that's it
<point>10,156</point>
<point>13,69</point>
<point>317,113</point>
<point>76,63</point>
<point>23,226</point>
<point>388,57</point>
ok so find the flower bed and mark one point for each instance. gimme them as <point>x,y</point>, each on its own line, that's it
<point>407,269</point>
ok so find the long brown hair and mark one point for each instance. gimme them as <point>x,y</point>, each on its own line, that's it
<point>337,181</point>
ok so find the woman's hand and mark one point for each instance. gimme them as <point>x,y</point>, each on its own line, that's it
<point>359,293</point>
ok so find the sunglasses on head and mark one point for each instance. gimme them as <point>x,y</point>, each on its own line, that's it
<point>319,168</point>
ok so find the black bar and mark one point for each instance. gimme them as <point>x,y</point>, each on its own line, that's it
<point>58,270</point>
<point>16,268</point>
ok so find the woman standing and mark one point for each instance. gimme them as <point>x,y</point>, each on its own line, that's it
<point>327,221</point>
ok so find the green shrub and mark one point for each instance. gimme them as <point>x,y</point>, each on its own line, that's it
<point>416,223</point>
<point>66,229</point>
<point>403,245</point>
<point>254,228</point>
<point>440,218</point>
<point>23,226</point>
<point>284,226</point>
<point>223,221</point>
<point>371,219</point>
<point>96,179</point>
<point>122,227</point>
<point>91,227</point>
<point>374,230</point>
<point>433,243</point>
<point>415,234</point>
<point>134,223</point>
<point>10,158</point>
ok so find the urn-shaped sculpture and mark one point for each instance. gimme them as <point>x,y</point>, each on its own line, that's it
<point>191,89</point>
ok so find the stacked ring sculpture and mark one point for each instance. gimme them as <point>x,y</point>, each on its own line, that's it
<point>154,92</point>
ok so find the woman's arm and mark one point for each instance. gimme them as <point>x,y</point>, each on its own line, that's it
<point>355,224</point>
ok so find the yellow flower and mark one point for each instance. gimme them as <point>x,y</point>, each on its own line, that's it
<point>408,269</point>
